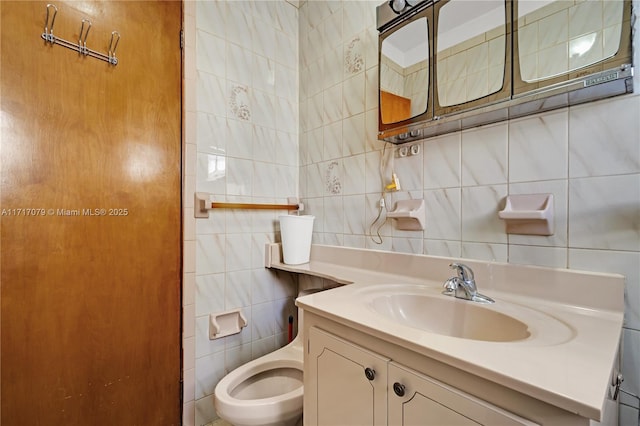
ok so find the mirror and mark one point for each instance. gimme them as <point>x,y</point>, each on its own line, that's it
<point>471,50</point>
<point>404,72</point>
<point>493,60</point>
<point>557,37</point>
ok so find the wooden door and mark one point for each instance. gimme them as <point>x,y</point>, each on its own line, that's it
<point>91,216</point>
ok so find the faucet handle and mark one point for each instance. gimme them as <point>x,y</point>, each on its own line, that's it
<point>450,285</point>
<point>464,272</point>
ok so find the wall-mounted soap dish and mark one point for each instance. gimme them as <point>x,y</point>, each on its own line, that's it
<point>530,214</point>
<point>409,215</point>
<point>226,323</point>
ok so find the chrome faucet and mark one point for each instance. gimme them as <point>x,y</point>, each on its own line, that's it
<point>463,285</point>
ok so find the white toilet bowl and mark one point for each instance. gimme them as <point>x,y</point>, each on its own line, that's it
<point>266,391</point>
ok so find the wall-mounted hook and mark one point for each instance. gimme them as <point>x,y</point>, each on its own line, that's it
<point>48,28</point>
<point>82,42</point>
<point>113,45</point>
<point>81,45</point>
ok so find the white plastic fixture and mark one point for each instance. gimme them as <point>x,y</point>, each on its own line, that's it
<point>409,215</point>
<point>226,323</point>
<point>297,234</point>
<point>530,214</point>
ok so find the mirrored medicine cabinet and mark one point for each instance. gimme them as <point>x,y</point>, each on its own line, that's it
<point>447,65</point>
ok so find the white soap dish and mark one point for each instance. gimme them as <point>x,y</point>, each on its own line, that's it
<point>409,214</point>
<point>530,214</point>
<point>226,323</point>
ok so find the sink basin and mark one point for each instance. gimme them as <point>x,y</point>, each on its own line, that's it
<point>424,308</point>
<point>450,317</point>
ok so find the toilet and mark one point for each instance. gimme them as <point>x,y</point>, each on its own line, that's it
<point>265,391</point>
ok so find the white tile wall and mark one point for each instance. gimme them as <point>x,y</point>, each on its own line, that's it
<point>603,138</point>
<point>241,145</point>
<point>538,147</point>
<point>484,155</point>
<point>604,212</point>
<point>312,130</point>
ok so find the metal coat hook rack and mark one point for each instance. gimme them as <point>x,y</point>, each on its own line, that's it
<point>81,46</point>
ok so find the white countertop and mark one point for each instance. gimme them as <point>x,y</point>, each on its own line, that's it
<point>567,363</point>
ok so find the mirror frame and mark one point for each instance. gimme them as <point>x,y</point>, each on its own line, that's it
<point>622,57</point>
<point>404,99</point>
<point>400,127</point>
<point>502,94</point>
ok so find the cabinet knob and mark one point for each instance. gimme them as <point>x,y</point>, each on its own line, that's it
<point>398,388</point>
<point>370,373</point>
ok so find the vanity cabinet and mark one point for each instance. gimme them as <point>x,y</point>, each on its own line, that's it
<point>564,374</point>
<point>351,385</point>
<point>417,399</point>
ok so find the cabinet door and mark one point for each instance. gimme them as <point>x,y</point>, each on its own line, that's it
<point>347,384</point>
<point>415,399</point>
